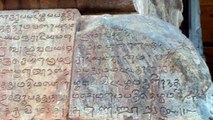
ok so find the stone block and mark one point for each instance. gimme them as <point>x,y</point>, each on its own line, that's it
<point>133,67</point>
<point>36,60</point>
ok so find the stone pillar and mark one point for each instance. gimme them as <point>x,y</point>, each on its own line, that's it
<point>141,6</point>
<point>167,10</point>
<point>195,26</point>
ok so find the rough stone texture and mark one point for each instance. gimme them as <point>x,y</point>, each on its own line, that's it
<point>137,68</point>
<point>167,10</point>
<point>36,48</point>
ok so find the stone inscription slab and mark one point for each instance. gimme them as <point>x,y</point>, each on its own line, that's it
<point>36,48</point>
<point>135,68</point>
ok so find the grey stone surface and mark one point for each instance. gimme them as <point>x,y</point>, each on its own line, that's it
<point>167,10</point>
<point>133,67</point>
